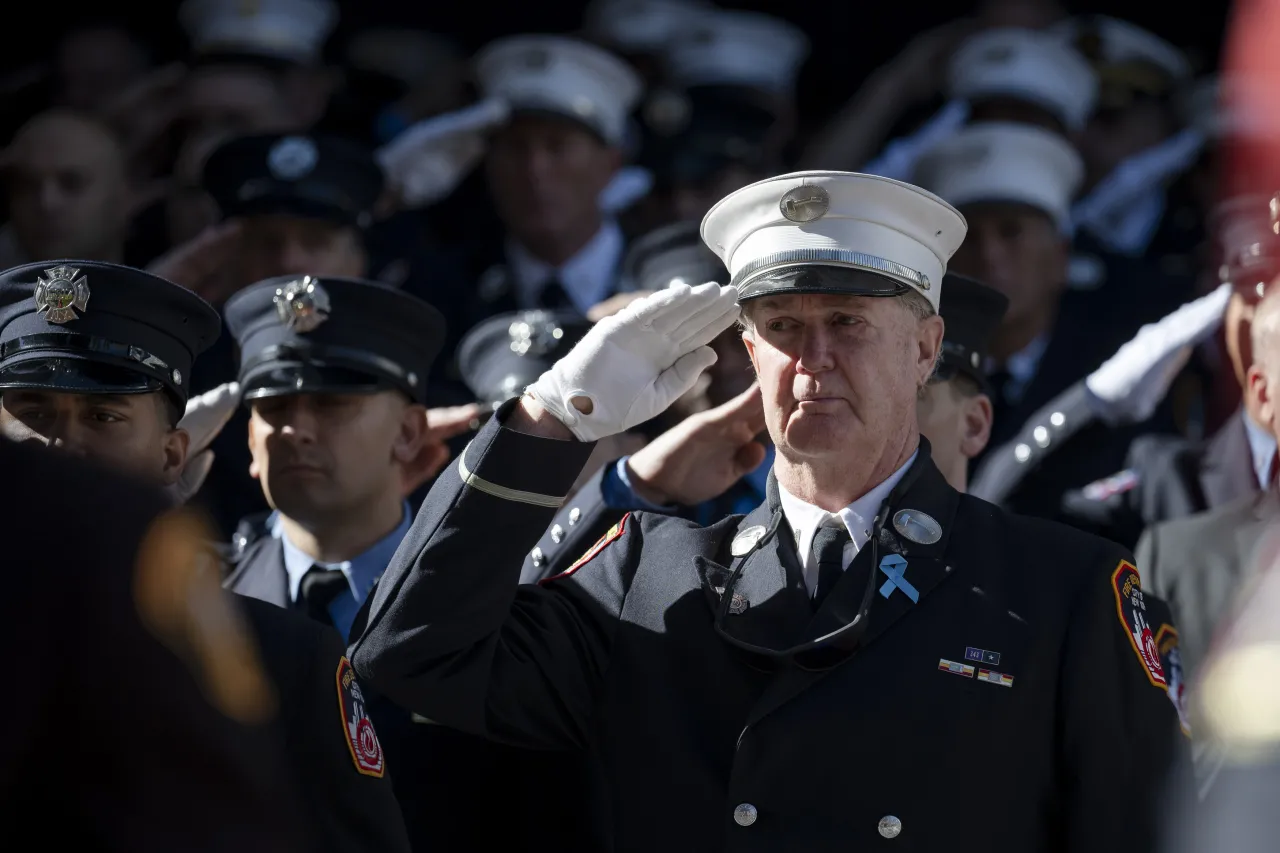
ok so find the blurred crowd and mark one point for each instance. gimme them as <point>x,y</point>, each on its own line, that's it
<point>1110,343</point>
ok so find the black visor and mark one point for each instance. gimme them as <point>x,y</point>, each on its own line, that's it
<point>76,376</point>
<point>810,278</point>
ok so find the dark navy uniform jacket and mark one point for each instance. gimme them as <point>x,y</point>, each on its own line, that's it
<point>1063,748</point>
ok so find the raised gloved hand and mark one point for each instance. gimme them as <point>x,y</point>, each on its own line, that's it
<point>1129,385</point>
<point>205,417</point>
<point>633,364</point>
<point>429,159</point>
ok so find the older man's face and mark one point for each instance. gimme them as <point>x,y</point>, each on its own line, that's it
<point>838,372</point>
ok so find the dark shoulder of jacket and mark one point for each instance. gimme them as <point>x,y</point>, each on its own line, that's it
<point>676,531</point>
<point>1029,544</point>
<point>288,639</point>
<point>250,529</point>
<point>1156,454</point>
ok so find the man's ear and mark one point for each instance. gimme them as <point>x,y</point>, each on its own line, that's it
<point>929,340</point>
<point>417,453</point>
<point>174,446</point>
<point>976,417</point>
<point>1259,389</point>
<point>254,471</point>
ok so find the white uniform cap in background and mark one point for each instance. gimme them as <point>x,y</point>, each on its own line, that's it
<point>564,76</point>
<point>293,30</point>
<point>641,25</point>
<point>1117,42</point>
<point>1005,162</point>
<point>738,49</point>
<point>1026,65</point>
<point>896,232</point>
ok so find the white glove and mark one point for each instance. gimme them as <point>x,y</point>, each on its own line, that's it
<point>205,417</point>
<point>1129,385</point>
<point>634,364</point>
<point>430,158</point>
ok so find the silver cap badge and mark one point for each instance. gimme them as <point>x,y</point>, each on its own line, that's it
<point>805,203</point>
<point>302,305</point>
<point>292,158</point>
<point>61,294</point>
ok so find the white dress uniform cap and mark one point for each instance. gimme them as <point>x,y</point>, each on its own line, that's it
<point>738,49</point>
<point>561,75</point>
<point>1027,65</point>
<point>641,25</point>
<point>294,30</point>
<point>1005,162</point>
<point>889,236</point>
<point>1122,42</point>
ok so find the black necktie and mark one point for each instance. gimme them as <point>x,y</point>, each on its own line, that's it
<point>828,551</point>
<point>319,587</point>
<point>554,296</point>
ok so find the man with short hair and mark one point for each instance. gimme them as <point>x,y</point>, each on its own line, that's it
<point>546,167</point>
<point>1014,184</point>
<point>1199,563</point>
<point>865,615</point>
<point>95,360</point>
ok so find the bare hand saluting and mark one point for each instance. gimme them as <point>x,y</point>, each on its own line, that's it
<point>703,456</point>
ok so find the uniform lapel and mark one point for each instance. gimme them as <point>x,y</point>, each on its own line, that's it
<point>260,573</point>
<point>1226,471</point>
<point>770,604</point>
<point>925,570</point>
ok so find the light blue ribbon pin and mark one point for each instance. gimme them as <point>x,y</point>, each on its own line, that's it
<point>895,566</point>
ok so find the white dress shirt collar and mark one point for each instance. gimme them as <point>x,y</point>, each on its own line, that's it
<point>588,277</point>
<point>858,518</point>
<point>1262,448</point>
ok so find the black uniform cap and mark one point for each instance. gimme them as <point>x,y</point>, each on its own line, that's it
<point>507,352</point>
<point>972,312</point>
<point>96,328</point>
<point>332,335</point>
<point>671,252</point>
<point>314,177</point>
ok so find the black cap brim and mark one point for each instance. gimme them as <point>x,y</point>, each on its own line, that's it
<point>75,376</point>
<point>819,279</point>
<point>280,379</point>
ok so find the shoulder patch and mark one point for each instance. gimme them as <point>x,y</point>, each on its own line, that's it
<point>179,598</point>
<point>1108,487</point>
<point>1131,608</point>
<point>1171,660</point>
<point>357,728</point>
<point>613,533</point>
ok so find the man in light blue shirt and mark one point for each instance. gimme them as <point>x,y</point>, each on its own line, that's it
<point>334,372</point>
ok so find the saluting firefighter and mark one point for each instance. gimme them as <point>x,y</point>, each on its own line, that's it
<point>868,655</point>
<point>334,374</point>
<point>95,360</point>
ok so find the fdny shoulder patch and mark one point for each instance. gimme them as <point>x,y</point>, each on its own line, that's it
<point>1171,660</point>
<point>614,532</point>
<point>1131,607</point>
<point>362,740</point>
